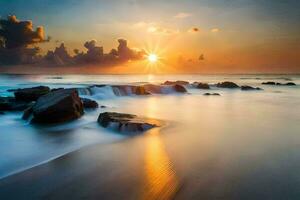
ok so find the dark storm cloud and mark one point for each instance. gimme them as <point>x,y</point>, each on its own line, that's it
<point>15,38</point>
<point>16,34</point>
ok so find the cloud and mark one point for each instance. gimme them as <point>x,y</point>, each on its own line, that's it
<point>15,38</point>
<point>201,57</point>
<point>182,15</point>
<point>94,55</point>
<point>16,34</point>
<point>161,30</point>
<point>215,30</point>
<point>194,30</point>
<point>154,28</point>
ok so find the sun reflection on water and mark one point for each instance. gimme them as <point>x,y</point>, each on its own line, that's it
<point>161,181</point>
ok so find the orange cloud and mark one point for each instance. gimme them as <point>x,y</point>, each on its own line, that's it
<point>182,15</point>
<point>215,30</point>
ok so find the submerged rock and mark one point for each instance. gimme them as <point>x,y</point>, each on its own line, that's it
<point>2,113</point>
<point>227,84</point>
<point>247,87</point>
<point>58,106</point>
<point>11,104</point>
<point>55,89</point>
<point>202,86</point>
<point>140,90</point>
<point>176,82</point>
<point>27,113</point>
<point>268,83</point>
<point>290,84</point>
<point>179,88</point>
<point>126,122</point>
<point>88,103</point>
<point>280,84</point>
<point>211,94</point>
<point>31,94</point>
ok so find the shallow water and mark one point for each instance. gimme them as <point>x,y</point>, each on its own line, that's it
<point>242,144</point>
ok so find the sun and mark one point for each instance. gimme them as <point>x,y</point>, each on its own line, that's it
<point>152,58</point>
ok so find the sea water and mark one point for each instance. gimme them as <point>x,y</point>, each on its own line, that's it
<point>250,139</point>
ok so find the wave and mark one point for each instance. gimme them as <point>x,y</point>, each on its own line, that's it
<point>112,91</point>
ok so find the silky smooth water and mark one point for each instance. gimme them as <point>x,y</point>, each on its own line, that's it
<point>239,144</point>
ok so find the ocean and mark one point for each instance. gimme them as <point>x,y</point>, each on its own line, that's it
<point>240,145</point>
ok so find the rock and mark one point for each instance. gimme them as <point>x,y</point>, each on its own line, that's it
<point>280,84</point>
<point>58,106</point>
<point>202,86</point>
<point>88,103</point>
<point>55,89</point>
<point>268,83</point>
<point>126,122</point>
<point>176,82</point>
<point>27,113</point>
<point>31,94</point>
<point>227,84</point>
<point>179,88</point>
<point>140,90</point>
<point>247,87</point>
<point>290,84</point>
<point>11,104</point>
<point>102,106</point>
<point>211,94</point>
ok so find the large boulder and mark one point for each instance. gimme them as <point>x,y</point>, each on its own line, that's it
<point>11,104</point>
<point>88,103</point>
<point>31,94</point>
<point>58,106</point>
<point>247,88</point>
<point>227,84</point>
<point>126,122</point>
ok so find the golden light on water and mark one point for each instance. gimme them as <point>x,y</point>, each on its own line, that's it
<point>161,181</point>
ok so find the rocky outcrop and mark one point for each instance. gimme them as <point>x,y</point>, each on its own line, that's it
<point>88,103</point>
<point>31,94</point>
<point>11,104</point>
<point>58,106</point>
<point>227,84</point>
<point>176,82</point>
<point>202,86</point>
<point>126,122</point>
<point>247,87</point>
<point>211,94</point>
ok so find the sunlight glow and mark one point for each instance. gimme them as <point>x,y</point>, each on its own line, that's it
<point>152,58</point>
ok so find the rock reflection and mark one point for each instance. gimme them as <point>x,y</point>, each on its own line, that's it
<point>161,181</point>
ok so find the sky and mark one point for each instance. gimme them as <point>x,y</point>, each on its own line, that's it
<point>189,36</point>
